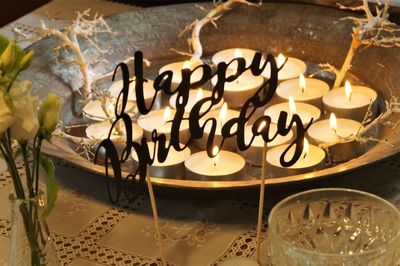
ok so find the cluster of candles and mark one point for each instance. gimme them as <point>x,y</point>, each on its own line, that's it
<point>309,98</point>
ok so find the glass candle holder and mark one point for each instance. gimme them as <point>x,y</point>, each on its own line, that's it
<point>334,227</point>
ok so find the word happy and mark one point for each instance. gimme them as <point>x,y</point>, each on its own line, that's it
<point>231,128</point>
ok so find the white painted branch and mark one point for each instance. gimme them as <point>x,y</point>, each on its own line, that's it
<point>212,16</point>
<point>392,107</point>
<point>355,44</point>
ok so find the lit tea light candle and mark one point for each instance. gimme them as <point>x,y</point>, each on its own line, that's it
<point>100,130</point>
<point>173,167</point>
<point>194,97</point>
<point>350,102</point>
<point>292,69</point>
<point>312,159</point>
<point>224,166</point>
<point>95,111</point>
<point>253,154</point>
<point>306,90</point>
<point>176,69</point>
<point>330,130</point>
<point>304,110</point>
<point>230,54</point>
<point>222,115</point>
<point>241,89</point>
<point>161,121</point>
<point>148,91</point>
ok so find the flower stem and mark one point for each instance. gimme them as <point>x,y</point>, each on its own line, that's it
<point>36,149</point>
<point>6,150</point>
<point>29,179</point>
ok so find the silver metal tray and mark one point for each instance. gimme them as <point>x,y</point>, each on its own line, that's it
<point>300,30</point>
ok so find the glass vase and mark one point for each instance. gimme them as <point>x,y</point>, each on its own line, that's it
<point>334,227</point>
<point>30,242</point>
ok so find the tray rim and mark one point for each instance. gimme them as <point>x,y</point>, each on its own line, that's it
<point>73,159</point>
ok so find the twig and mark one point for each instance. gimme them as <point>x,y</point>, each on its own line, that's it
<point>392,107</point>
<point>369,30</point>
<point>212,16</point>
<point>80,26</point>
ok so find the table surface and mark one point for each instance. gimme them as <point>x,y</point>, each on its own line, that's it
<point>199,228</point>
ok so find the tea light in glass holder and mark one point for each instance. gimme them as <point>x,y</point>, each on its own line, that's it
<point>148,91</point>
<point>173,167</point>
<point>224,166</point>
<point>241,89</point>
<point>292,69</point>
<point>253,154</point>
<point>194,97</point>
<point>176,69</point>
<point>228,55</point>
<point>306,90</point>
<point>100,130</point>
<point>222,115</point>
<point>94,109</point>
<point>330,130</point>
<point>312,159</point>
<point>304,110</point>
<point>350,102</point>
<point>161,121</point>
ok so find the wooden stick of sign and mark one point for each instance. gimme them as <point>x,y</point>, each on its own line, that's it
<point>261,202</point>
<point>155,216</point>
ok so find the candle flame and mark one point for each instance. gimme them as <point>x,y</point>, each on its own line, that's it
<point>292,105</point>
<point>348,90</point>
<point>222,113</point>
<point>186,65</point>
<point>306,147</point>
<point>281,60</point>
<point>215,153</point>
<point>199,95</point>
<point>261,126</point>
<point>333,122</point>
<point>167,114</point>
<point>302,82</point>
<point>238,53</point>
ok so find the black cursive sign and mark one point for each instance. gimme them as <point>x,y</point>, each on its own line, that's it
<point>232,128</point>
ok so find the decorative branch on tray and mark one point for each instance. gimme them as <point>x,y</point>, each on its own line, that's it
<point>80,27</point>
<point>369,30</point>
<point>84,146</point>
<point>212,17</point>
<point>368,124</point>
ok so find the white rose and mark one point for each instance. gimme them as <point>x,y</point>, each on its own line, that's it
<point>26,122</point>
<point>6,114</point>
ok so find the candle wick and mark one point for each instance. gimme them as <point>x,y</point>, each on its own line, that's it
<point>215,164</point>
<point>305,155</point>
<point>351,94</point>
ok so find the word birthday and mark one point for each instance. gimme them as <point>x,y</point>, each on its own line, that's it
<point>234,127</point>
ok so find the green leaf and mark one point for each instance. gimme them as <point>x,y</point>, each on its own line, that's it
<point>51,185</point>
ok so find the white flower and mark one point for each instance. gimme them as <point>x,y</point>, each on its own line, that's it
<point>6,114</point>
<point>26,122</point>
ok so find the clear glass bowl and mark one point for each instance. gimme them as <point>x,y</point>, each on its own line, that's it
<point>334,227</point>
